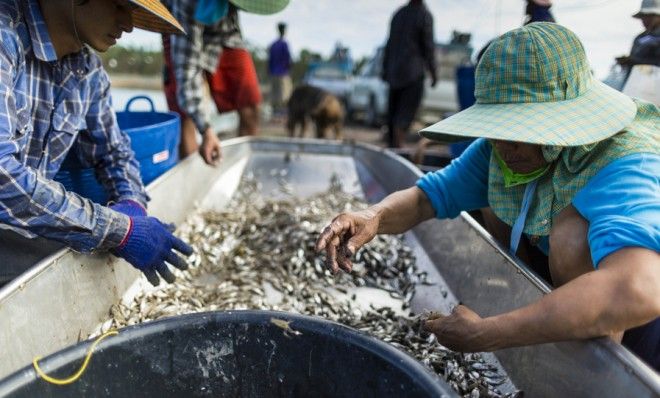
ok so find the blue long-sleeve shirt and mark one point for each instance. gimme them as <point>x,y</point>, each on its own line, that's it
<point>621,202</point>
<point>47,105</point>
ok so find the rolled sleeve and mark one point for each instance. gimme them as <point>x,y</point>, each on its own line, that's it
<point>461,186</point>
<point>81,224</point>
<point>622,205</point>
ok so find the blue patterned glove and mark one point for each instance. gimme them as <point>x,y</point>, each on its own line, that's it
<point>129,207</point>
<point>148,245</point>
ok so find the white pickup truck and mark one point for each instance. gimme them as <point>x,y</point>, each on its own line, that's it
<point>368,98</point>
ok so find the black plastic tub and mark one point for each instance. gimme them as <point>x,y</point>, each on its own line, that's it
<point>233,354</point>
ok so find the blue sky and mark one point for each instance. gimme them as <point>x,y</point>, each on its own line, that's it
<point>604,26</point>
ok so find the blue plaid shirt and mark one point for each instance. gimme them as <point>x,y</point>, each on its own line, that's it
<point>47,105</point>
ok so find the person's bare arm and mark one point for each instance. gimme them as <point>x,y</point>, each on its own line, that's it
<point>395,214</point>
<point>402,210</point>
<point>623,293</point>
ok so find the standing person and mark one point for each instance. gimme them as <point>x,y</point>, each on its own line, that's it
<point>646,47</point>
<point>562,162</point>
<point>192,59</point>
<point>54,92</point>
<point>279,65</point>
<point>188,61</point>
<point>535,11</point>
<point>410,50</point>
<point>538,11</point>
<point>234,84</point>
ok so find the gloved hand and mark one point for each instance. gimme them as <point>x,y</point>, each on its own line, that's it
<point>129,207</point>
<point>148,245</point>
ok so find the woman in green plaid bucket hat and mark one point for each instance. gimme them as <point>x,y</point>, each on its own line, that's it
<point>565,170</point>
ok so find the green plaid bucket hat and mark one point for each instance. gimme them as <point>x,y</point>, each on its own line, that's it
<point>263,7</point>
<point>534,85</point>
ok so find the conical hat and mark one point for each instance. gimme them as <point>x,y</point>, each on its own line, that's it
<point>153,16</point>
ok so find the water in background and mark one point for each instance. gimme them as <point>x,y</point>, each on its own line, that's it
<point>226,122</point>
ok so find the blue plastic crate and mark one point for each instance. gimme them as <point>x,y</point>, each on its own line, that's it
<point>154,139</point>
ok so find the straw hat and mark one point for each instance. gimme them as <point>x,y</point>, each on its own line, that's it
<point>534,85</point>
<point>152,15</point>
<point>263,7</point>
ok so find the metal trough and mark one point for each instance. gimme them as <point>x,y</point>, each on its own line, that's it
<point>63,297</point>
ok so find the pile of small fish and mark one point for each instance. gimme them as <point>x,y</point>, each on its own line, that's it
<point>471,375</point>
<point>259,254</point>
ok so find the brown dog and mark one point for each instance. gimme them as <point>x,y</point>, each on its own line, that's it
<point>323,108</point>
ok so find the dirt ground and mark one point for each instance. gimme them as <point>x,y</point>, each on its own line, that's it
<point>356,132</point>
<point>352,131</point>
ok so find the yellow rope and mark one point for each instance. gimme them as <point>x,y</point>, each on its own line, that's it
<point>76,376</point>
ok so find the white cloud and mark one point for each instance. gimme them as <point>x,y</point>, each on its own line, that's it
<point>605,26</point>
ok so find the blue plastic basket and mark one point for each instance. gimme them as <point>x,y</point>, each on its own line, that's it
<point>465,85</point>
<point>154,139</point>
<point>465,90</point>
